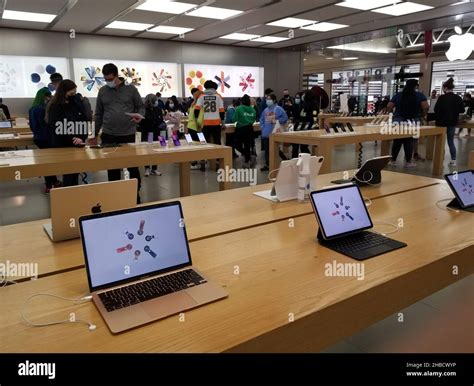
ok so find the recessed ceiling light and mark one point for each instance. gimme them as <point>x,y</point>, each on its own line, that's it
<point>166,6</point>
<point>214,13</point>
<point>129,26</point>
<point>362,48</point>
<point>239,36</point>
<point>459,3</point>
<point>323,27</point>
<point>350,58</point>
<point>270,39</point>
<point>166,29</point>
<point>365,5</point>
<point>28,16</point>
<point>329,58</point>
<point>403,9</point>
<point>291,22</point>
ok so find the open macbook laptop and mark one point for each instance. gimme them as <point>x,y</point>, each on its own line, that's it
<point>6,125</point>
<point>69,203</point>
<point>139,265</point>
<point>285,187</point>
<point>344,221</point>
<point>462,185</point>
<point>370,172</point>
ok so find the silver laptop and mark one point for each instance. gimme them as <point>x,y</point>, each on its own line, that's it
<point>69,203</point>
<point>139,265</point>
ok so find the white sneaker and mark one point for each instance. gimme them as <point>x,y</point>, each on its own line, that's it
<point>392,163</point>
<point>196,166</point>
<point>452,162</point>
<point>409,165</point>
<point>155,173</point>
<point>147,172</point>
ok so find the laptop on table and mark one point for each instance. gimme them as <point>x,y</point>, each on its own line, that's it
<point>139,266</point>
<point>462,185</point>
<point>69,203</point>
<point>344,223</point>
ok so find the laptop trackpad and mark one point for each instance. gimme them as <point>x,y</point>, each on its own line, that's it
<point>168,305</point>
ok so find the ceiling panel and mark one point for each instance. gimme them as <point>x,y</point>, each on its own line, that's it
<point>191,22</point>
<point>41,6</point>
<point>261,16</point>
<point>241,5</point>
<point>138,16</point>
<point>87,15</point>
<point>328,13</point>
<point>264,30</point>
<point>116,32</point>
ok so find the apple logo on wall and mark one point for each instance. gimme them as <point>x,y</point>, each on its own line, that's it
<point>461,46</point>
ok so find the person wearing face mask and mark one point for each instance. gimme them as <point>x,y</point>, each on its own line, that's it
<point>299,124</point>
<point>150,127</point>
<point>287,103</point>
<point>41,132</point>
<point>263,102</point>
<point>114,102</point>
<point>447,110</point>
<point>268,119</point>
<point>64,108</point>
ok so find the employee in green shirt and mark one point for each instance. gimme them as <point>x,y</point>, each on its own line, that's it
<point>244,117</point>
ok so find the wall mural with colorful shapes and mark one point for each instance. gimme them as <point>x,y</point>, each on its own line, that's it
<point>23,76</point>
<point>232,81</point>
<point>147,77</point>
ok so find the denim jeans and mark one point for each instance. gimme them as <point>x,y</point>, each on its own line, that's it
<point>450,137</point>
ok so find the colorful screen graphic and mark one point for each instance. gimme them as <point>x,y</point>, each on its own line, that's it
<point>232,81</point>
<point>23,76</point>
<point>133,244</point>
<point>147,77</point>
<point>341,211</point>
<point>463,183</point>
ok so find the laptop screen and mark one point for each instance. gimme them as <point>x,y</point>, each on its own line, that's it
<point>463,186</point>
<point>5,125</point>
<point>123,245</point>
<point>340,211</point>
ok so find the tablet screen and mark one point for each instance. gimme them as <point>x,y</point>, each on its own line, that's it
<point>463,186</point>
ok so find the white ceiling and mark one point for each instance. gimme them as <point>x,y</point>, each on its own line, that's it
<point>91,16</point>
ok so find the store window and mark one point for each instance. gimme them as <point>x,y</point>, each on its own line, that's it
<point>461,71</point>
<point>311,80</point>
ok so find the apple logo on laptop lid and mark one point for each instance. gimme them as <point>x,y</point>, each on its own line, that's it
<point>96,209</point>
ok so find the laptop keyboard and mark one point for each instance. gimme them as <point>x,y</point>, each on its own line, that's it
<point>358,242</point>
<point>150,289</point>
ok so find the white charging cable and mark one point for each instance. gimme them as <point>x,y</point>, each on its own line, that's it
<point>82,300</point>
<point>368,180</point>
<point>446,207</point>
<point>395,226</point>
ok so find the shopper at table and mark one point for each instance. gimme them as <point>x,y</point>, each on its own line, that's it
<point>150,127</point>
<point>114,102</point>
<point>468,107</point>
<point>299,123</point>
<point>269,118</point>
<point>230,137</point>
<point>65,107</point>
<point>447,111</point>
<point>409,104</point>
<point>244,118</point>
<point>41,133</point>
<point>287,103</point>
<point>433,100</point>
<point>4,109</point>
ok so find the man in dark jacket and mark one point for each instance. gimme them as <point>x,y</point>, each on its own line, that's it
<point>447,110</point>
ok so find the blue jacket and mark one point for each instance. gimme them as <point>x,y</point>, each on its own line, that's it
<point>38,124</point>
<point>268,118</point>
